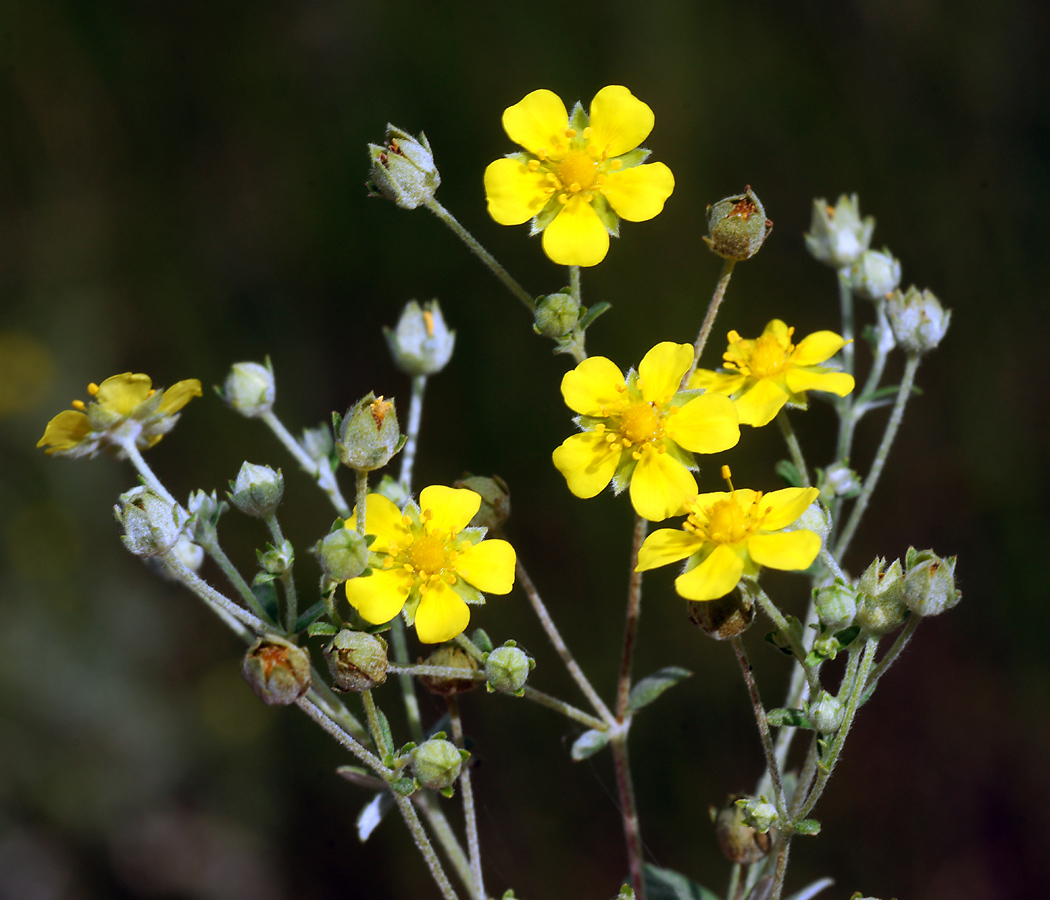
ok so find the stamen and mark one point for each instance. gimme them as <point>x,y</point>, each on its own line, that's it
<point>574,187</point>
<point>563,199</point>
<point>616,164</point>
<point>93,389</point>
<point>542,154</point>
<point>636,455</point>
<point>534,164</point>
<point>727,475</point>
<point>428,319</point>
<point>428,514</point>
<point>570,133</point>
<point>600,427</point>
<point>79,404</point>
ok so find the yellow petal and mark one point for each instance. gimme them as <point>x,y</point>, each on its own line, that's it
<point>779,329</point>
<point>819,379</point>
<point>660,485</point>
<point>122,393</point>
<point>790,550</point>
<point>715,577</point>
<point>577,236</point>
<point>594,388</point>
<point>785,506</point>
<point>619,121</point>
<point>379,596</point>
<point>515,193</point>
<point>665,546</point>
<point>699,505</point>
<point>489,566</point>
<point>588,462</point>
<point>65,431</point>
<point>384,520</point>
<point>662,369</point>
<point>441,615</point>
<point>758,405</point>
<point>178,395</point>
<point>638,194</point>
<point>706,424</point>
<point>538,122</point>
<point>719,382</point>
<point>816,348</point>
<point>452,508</point>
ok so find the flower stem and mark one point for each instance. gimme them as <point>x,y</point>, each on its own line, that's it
<point>631,827</point>
<point>566,709</point>
<point>372,714</point>
<point>797,650</point>
<point>361,501</point>
<point>445,836</point>
<point>209,540</point>
<point>214,599</point>
<point>415,415</point>
<point>634,608</point>
<point>408,686</point>
<point>783,846</point>
<point>469,813</point>
<point>709,318</point>
<point>846,302</point>
<point>903,393</point>
<point>895,651</point>
<point>419,835</point>
<point>487,258</point>
<point>287,579</point>
<point>309,705</point>
<point>791,439</point>
<point>318,469</point>
<point>146,473</point>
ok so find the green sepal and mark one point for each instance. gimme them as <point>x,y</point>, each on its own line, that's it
<point>624,470</point>
<point>468,593</point>
<point>481,640</point>
<point>404,786</point>
<point>626,892</point>
<point>320,629</point>
<point>310,616</point>
<point>475,534</point>
<point>372,814</point>
<point>680,455</point>
<point>408,748</point>
<point>788,473</point>
<point>806,826</point>
<point>681,398</point>
<point>796,718</point>
<point>652,686</point>
<point>448,791</point>
<point>780,641</point>
<point>266,594</point>
<point>605,214</point>
<point>385,738</point>
<point>545,216</point>
<point>590,313</point>
<point>666,884</point>
<point>588,743</point>
<point>842,640</point>
<point>578,119</point>
<point>634,157</point>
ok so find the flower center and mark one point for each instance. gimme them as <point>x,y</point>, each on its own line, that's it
<point>726,523</point>
<point>428,555</point>
<point>578,172</point>
<point>640,423</point>
<point>768,356</point>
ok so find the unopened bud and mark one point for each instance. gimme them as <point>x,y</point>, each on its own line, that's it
<point>151,524</point>
<point>495,501</point>
<point>343,554</point>
<point>918,320</point>
<point>724,617</point>
<point>204,510</point>
<point>875,274</point>
<point>249,388</point>
<point>277,670</point>
<point>826,714</point>
<point>837,234</point>
<point>880,598</point>
<point>357,660</point>
<point>437,763</point>
<point>277,559</point>
<point>403,169</point>
<point>836,606</point>
<point>257,491</point>
<point>507,669</point>
<point>451,658</point>
<point>929,582</point>
<point>318,443</point>
<point>556,314</point>
<point>760,813</point>
<point>737,226</point>
<point>817,519</point>
<point>369,434</point>
<point>839,481</point>
<point>740,842</point>
<point>421,344</point>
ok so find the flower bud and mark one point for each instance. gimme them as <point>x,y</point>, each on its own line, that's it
<point>277,670</point>
<point>151,524</point>
<point>836,606</point>
<point>875,274</point>
<point>737,226</point>
<point>276,560</point>
<point>724,617</point>
<point>918,320</point>
<point>826,714</point>
<point>357,660</point>
<point>257,491</point>
<point>452,658</point>
<point>837,234</point>
<point>495,501</point>
<point>317,443</point>
<point>507,669</point>
<point>421,344</point>
<point>204,510</point>
<point>839,481</point>
<point>437,763</point>
<point>191,555</point>
<point>403,170</point>
<point>817,519</point>
<point>343,554</point>
<point>369,434</point>
<point>740,842</point>
<point>556,314</point>
<point>760,813</point>
<point>880,598</point>
<point>249,388</point>
<point>929,583</point>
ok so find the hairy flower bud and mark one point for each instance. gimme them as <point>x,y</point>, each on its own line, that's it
<point>507,669</point>
<point>318,443</point>
<point>257,491</point>
<point>151,524</point>
<point>875,274</point>
<point>357,660</point>
<point>403,169</point>
<point>495,501</point>
<point>826,714</point>
<point>929,582</point>
<point>250,389</point>
<point>837,234</point>
<point>437,763</point>
<point>839,481</point>
<point>816,518</point>
<point>759,813</point>
<point>451,658</point>
<point>277,670</point>
<point>343,554</point>
<point>724,617</point>
<point>737,226</point>
<point>369,434</point>
<point>918,320</point>
<point>556,314</point>
<point>740,842</point>
<point>421,344</point>
<point>880,598</point>
<point>836,606</point>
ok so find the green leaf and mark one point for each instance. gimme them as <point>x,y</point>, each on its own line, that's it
<point>404,786</point>
<point>385,738</point>
<point>666,884</point>
<point>321,629</point>
<point>266,594</point>
<point>788,473</point>
<point>591,314</point>
<point>310,616</point>
<point>481,640</point>
<point>589,743</point>
<point>807,826</point>
<point>796,718</point>
<point>652,686</point>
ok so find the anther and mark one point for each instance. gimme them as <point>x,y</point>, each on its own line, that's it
<point>636,455</point>
<point>93,389</point>
<point>575,187</point>
<point>570,133</point>
<point>563,199</point>
<point>616,164</point>
<point>428,319</point>
<point>600,427</point>
<point>79,404</point>
<point>587,132</point>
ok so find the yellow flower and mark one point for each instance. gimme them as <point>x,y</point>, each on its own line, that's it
<point>770,371</point>
<point>642,430</point>
<point>578,176</point>
<point>728,536</point>
<point>124,408</point>
<point>427,562</point>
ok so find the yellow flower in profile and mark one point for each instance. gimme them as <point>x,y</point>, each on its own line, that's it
<point>579,175</point>
<point>642,430</point>
<point>123,409</point>
<point>428,563</point>
<point>729,536</point>
<point>764,374</point>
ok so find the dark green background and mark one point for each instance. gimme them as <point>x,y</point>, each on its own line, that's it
<point>182,188</point>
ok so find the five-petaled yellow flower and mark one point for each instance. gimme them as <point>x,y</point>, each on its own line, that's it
<point>729,536</point>
<point>427,562</point>
<point>123,409</point>
<point>642,430</point>
<point>768,372</point>
<point>579,176</point>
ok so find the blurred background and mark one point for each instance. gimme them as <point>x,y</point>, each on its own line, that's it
<point>182,187</point>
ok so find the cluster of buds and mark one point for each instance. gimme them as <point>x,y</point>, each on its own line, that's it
<point>924,586</point>
<point>737,226</point>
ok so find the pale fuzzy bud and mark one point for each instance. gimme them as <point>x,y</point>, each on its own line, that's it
<point>250,389</point>
<point>737,226</point>
<point>556,314</point>
<point>875,274</point>
<point>277,670</point>
<point>918,320</point>
<point>880,600</point>
<point>760,813</point>
<point>394,491</point>
<point>369,434</point>
<point>437,763</point>
<point>839,481</point>
<point>817,519</point>
<point>826,714</point>
<point>318,443</point>
<point>507,669</point>
<point>403,170</point>
<point>191,555</point>
<point>257,491</point>
<point>421,344</point>
<point>276,560</point>
<point>740,842</point>
<point>152,525</point>
<point>343,554</point>
<point>836,605</point>
<point>929,582</point>
<point>837,234</point>
<point>357,660</point>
